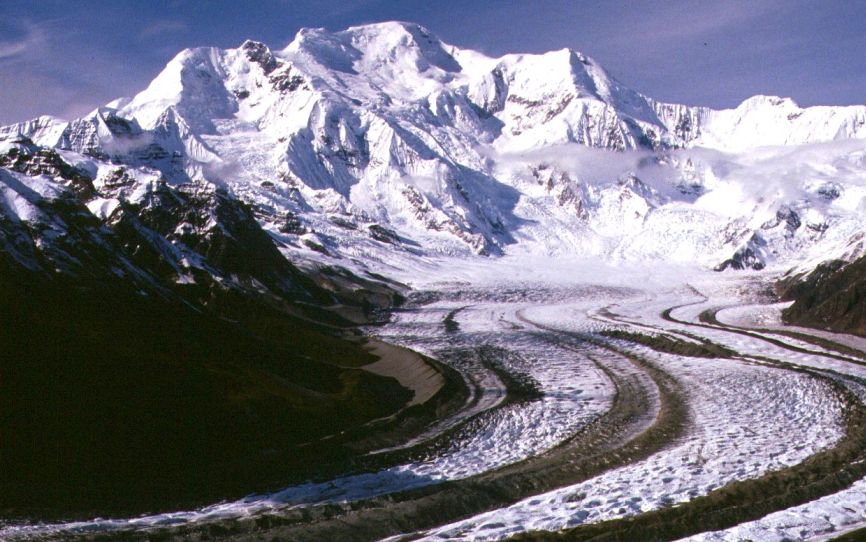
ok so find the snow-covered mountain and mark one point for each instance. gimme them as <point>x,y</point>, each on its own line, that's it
<point>382,142</point>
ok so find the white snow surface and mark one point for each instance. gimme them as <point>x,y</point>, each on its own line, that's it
<point>384,125</point>
<point>822,519</point>
<point>737,440</point>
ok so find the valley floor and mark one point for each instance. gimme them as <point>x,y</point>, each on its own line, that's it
<point>605,401</point>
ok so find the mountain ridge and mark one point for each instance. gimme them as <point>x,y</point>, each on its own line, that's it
<point>384,127</point>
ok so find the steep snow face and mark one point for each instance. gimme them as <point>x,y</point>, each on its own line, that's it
<point>400,60</point>
<point>353,145</point>
<point>565,97</point>
<point>771,120</point>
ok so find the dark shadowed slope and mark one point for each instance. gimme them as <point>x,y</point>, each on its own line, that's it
<point>832,297</point>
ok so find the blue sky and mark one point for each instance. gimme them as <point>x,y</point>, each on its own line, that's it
<point>65,58</point>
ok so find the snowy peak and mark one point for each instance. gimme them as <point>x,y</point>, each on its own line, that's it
<point>194,82</point>
<point>761,101</point>
<point>539,99</point>
<point>398,43</point>
<point>569,71</point>
<point>771,121</point>
<point>375,47</point>
<point>566,97</point>
<point>382,63</point>
<point>342,136</point>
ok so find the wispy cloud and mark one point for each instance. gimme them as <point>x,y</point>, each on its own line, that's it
<point>166,26</point>
<point>33,40</point>
<point>683,20</point>
<point>50,67</point>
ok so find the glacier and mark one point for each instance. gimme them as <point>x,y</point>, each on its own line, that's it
<point>541,205</point>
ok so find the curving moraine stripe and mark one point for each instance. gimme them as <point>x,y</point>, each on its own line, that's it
<point>818,476</point>
<point>651,413</point>
<point>647,414</point>
<point>608,495</point>
<point>707,319</point>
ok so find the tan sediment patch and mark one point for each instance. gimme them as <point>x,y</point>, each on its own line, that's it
<point>407,367</point>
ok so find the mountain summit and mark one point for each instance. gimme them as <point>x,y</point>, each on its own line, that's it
<point>357,145</point>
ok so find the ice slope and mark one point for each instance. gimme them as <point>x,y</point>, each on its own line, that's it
<point>354,145</point>
<point>771,120</point>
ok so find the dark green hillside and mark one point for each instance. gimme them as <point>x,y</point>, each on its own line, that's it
<point>167,354</point>
<point>111,401</point>
<point>832,297</point>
